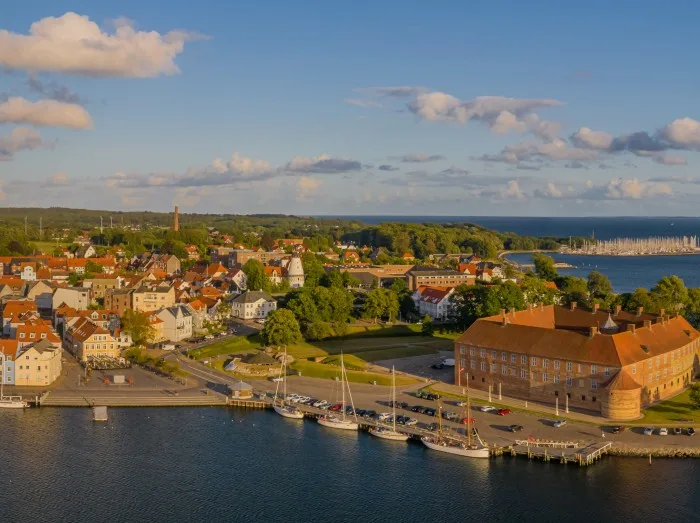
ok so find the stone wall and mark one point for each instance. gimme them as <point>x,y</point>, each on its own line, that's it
<point>621,405</point>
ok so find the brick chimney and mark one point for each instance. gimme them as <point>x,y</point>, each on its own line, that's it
<point>618,309</point>
<point>631,327</point>
<point>176,220</point>
<point>640,310</point>
<point>647,323</point>
<point>512,311</point>
<point>662,312</point>
<point>504,320</point>
<point>573,305</point>
<point>593,332</point>
<point>595,308</point>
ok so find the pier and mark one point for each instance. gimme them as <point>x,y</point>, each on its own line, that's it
<point>561,451</point>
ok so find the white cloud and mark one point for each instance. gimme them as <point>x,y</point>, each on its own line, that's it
<point>402,91</point>
<point>363,103</point>
<point>586,138</point>
<point>322,164</point>
<point>669,159</point>
<point>443,107</point>
<point>306,188</point>
<point>240,164</point>
<point>551,191</point>
<point>507,122</point>
<point>557,149</point>
<point>635,189</point>
<point>50,113</point>
<point>73,44</point>
<point>20,139</point>
<point>682,133</point>
<point>513,191</point>
<point>60,179</point>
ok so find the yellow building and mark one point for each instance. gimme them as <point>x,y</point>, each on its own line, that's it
<point>88,341</point>
<point>38,364</point>
<point>153,298</point>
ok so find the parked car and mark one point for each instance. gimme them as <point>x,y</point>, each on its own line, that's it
<point>318,403</point>
<point>277,378</point>
<point>461,403</point>
<point>449,416</point>
<point>438,366</point>
<point>515,428</point>
<point>559,423</point>
<point>370,414</point>
<point>401,420</point>
<point>663,431</point>
<point>618,429</point>
<point>503,412</point>
<point>432,426</point>
<point>336,407</point>
<point>678,431</point>
<point>411,421</point>
<point>432,397</point>
<point>648,431</point>
<point>464,421</point>
<point>487,408</point>
<point>417,408</point>
<point>384,416</point>
<point>429,411</point>
<point>691,431</point>
<point>209,337</point>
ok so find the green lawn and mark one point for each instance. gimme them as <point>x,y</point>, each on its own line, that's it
<point>48,247</point>
<point>352,362</point>
<point>320,370</point>
<point>395,352</point>
<point>235,345</point>
<point>671,411</point>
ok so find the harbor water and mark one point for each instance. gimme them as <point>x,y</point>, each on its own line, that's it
<point>218,464</point>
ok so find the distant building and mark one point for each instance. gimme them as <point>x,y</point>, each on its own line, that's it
<point>86,340</point>
<point>295,273</point>
<point>252,305</point>
<point>37,364</point>
<point>75,297</point>
<point>434,277</point>
<point>436,302</point>
<point>177,322</point>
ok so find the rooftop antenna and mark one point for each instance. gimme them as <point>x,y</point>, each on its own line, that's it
<point>41,231</point>
<point>111,224</point>
<point>100,224</point>
<point>25,225</point>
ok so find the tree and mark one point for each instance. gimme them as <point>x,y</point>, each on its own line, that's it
<point>536,291</point>
<point>319,330</point>
<point>267,242</point>
<point>313,269</point>
<point>255,276</point>
<point>92,267</point>
<point>670,293</point>
<point>281,328</point>
<point>695,396</point>
<point>375,305</point>
<point>137,325</point>
<point>639,298</point>
<point>427,329</point>
<point>73,279</point>
<point>544,267</point>
<point>391,300</point>
<point>599,285</point>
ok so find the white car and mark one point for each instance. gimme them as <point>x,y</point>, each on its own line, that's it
<point>277,378</point>
<point>319,403</point>
<point>487,408</point>
<point>648,431</point>
<point>461,403</point>
<point>663,432</point>
<point>559,423</point>
<point>411,421</point>
<point>384,416</point>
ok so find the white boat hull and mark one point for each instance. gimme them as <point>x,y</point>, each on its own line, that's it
<point>389,434</point>
<point>13,404</point>
<point>288,413</point>
<point>333,423</point>
<point>477,452</point>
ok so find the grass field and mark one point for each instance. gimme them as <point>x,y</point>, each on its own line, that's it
<point>320,370</point>
<point>671,411</point>
<point>351,361</point>
<point>395,352</point>
<point>48,247</point>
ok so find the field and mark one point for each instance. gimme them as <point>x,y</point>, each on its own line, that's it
<point>320,370</point>
<point>671,411</point>
<point>48,247</point>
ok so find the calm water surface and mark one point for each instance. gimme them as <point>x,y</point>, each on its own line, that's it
<point>213,464</point>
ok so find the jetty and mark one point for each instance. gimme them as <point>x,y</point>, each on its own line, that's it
<point>100,413</point>
<point>561,451</point>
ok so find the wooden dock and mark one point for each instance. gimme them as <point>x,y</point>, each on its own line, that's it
<point>562,451</point>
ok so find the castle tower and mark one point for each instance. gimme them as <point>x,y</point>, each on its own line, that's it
<point>295,272</point>
<point>176,220</point>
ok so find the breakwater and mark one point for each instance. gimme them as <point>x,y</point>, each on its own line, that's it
<point>655,452</point>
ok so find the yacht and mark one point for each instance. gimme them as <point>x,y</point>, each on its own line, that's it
<point>284,409</point>
<point>385,432</point>
<point>341,420</point>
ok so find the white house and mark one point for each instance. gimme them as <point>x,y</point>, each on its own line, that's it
<point>238,277</point>
<point>436,302</point>
<point>75,297</point>
<point>177,322</point>
<point>252,305</point>
<point>28,272</point>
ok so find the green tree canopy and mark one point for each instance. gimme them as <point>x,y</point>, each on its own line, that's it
<point>137,325</point>
<point>256,280</point>
<point>281,328</point>
<point>544,267</point>
<point>599,285</point>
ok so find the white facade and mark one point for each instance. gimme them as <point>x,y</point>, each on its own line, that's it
<point>177,322</point>
<point>295,273</point>
<point>253,305</point>
<point>77,298</point>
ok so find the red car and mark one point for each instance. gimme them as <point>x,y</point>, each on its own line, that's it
<point>336,407</point>
<point>503,412</point>
<point>464,421</point>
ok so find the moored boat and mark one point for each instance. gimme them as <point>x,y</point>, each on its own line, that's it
<point>284,409</point>
<point>384,432</point>
<point>341,421</point>
<point>288,411</point>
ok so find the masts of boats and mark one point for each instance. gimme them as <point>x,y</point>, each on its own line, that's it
<point>341,421</point>
<point>284,409</point>
<point>384,432</point>
<point>8,402</point>
<point>452,446</point>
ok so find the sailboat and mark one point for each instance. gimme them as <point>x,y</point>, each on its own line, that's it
<point>386,433</point>
<point>341,421</point>
<point>468,450</point>
<point>284,409</point>
<point>9,402</point>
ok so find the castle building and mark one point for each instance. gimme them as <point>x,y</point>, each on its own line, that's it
<point>609,363</point>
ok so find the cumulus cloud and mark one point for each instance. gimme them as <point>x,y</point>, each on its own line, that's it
<point>551,191</point>
<point>50,113</point>
<point>669,159</point>
<point>454,170</point>
<point>306,188</point>
<point>638,143</point>
<point>693,180</point>
<point>576,164</point>
<point>386,167</point>
<point>419,158</point>
<point>586,138</point>
<point>683,133</point>
<point>443,107</point>
<point>507,122</point>
<point>20,139</point>
<point>363,103</point>
<point>322,164</point>
<point>557,149</point>
<point>60,179</point>
<point>512,191</point>
<point>627,189</point>
<point>74,44</point>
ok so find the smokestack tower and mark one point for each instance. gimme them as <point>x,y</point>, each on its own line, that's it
<point>176,221</point>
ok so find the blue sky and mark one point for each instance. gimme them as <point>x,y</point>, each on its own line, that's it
<point>447,108</point>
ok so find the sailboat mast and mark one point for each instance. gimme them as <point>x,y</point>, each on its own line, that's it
<point>284,376</point>
<point>439,419</point>
<point>342,381</point>
<point>469,420</point>
<point>393,396</point>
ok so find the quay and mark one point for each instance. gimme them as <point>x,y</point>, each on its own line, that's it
<point>563,452</point>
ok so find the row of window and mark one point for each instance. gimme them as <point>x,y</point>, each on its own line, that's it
<point>535,361</point>
<point>545,377</point>
<point>32,335</point>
